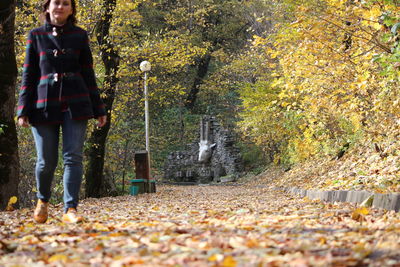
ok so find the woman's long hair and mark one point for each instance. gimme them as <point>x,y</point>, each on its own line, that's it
<point>46,16</point>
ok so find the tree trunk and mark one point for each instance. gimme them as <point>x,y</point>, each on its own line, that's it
<point>9,163</point>
<point>202,70</point>
<point>95,182</point>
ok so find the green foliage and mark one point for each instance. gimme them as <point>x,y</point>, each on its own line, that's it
<point>253,156</point>
<point>2,126</point>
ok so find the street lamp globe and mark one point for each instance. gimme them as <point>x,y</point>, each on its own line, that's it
<point>145,66</point>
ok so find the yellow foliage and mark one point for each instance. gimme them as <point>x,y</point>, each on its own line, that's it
<point>326,76</point>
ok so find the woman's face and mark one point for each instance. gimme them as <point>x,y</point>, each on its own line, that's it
<point>59,11</point>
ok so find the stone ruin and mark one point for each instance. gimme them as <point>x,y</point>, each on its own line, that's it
<point>212,159</point>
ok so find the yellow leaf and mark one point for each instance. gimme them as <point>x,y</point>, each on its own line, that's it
<point>58,257</point>
<point>363,211</point>
<point>11,201</point>
<point>216,257</point>
<point>229,262</point>
<point>100,227</point>
<point>359,213</point>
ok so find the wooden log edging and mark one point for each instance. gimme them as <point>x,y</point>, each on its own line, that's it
<point>381,201</point>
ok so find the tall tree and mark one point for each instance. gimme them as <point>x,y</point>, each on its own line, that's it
<point>215,25</point>
<point>222,25</point>
<point>95,184</point>
<point>9,164</point>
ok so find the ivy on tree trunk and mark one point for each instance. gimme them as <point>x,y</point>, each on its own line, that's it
<point>9,163</point>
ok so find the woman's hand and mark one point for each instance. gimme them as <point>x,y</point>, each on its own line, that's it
<point>23,121</point>
<point>102,120</point>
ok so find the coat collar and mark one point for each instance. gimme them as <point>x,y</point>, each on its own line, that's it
<point>58,29</point>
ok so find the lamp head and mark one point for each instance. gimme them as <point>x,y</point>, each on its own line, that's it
<point>145,66</point>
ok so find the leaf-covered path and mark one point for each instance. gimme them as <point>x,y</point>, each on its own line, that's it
<point>243,225</point>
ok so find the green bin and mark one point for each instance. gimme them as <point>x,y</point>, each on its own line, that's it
<point>134,190</point>
<point>137,187</point>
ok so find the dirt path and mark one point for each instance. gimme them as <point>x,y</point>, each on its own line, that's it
<point>243,225</point>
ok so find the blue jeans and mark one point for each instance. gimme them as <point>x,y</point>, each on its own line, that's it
<point>46,141</point>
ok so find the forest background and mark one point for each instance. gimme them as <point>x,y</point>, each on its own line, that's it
<point>306,85</point>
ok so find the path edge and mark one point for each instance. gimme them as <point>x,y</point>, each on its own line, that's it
<point>380,201</point>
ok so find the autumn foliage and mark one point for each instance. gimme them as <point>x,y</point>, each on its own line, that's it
<point>301,79</point>
<point>332,82</point>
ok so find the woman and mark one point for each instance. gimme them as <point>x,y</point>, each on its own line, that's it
<point>59,92</point>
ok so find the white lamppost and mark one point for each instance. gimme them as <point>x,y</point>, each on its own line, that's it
<point>145,66</point>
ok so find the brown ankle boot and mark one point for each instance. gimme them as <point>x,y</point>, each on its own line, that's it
<point>40,214</point>
<point>71,216</point>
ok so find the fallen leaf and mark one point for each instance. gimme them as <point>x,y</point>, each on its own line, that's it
<point>58,257</point>
<point>216,257</point>
<point>11,201</point>
<point>229,261</point>
<point>359,214</point>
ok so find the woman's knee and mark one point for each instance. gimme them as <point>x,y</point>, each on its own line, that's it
<point>47,165</point>
<point>71,158</point>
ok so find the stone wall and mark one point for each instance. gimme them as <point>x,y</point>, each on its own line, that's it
<point>226,161</point>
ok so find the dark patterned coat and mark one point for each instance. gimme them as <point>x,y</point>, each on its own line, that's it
<point>58,76</point>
